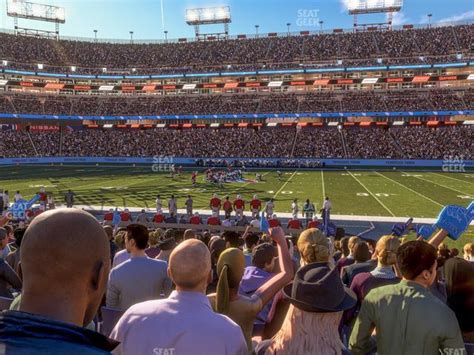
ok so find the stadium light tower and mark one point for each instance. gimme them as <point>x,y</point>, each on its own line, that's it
<point>209,16</point>
<point>429,20</point>
<point>166,36</point>
<point>321,22</point>
<point>363,7</point>
<point>256,30</point>
<point>131,37</point>
<point>38,12</point>
<point>288,26</point>
<point>95,35</point>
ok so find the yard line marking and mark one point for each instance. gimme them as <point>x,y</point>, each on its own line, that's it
<point>449,188</point>
<point>406,187</point>
<point>286,183</point>
<point>322,183</point>
<point>452,178</point>
<point>375,197</point>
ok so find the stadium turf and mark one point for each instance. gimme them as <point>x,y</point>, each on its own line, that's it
<point>363,193</point>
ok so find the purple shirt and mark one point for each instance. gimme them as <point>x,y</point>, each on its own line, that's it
<point>184,323</point>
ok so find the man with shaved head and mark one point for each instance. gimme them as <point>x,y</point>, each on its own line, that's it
<point>65,261</point>
<point>184,323</point>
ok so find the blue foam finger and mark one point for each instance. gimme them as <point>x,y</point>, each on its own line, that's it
<point>455,220</point>
<point>425,232</point>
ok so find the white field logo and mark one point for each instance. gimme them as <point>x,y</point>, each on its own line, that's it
<point>454,163</point>
<point>162,163</point>
<point>307,18</point>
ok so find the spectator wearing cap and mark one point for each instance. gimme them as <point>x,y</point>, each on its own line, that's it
<point>407,317</point>
<point>362,263</point>
<point>349,259</point>
<point>140,278</point>
<point>57,302</point>
<point>317,300</point>
<point>153,238</point>
<point>166,248</point>
<point>261,270</point>
<point>185,319</point>
<point>243,310</point>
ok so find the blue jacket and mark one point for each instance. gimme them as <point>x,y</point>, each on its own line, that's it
<point>26,333</point>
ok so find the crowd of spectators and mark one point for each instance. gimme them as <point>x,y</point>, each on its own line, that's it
<point>236,291</point>
<point>317,101</point>
<point>415,142</point>
<point>433,44</point>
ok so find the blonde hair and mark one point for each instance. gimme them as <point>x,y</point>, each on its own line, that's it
<point>313,246</point>
<point>352,243</point>
<point>230,268</point>
<point>154,237</point>
<point>469,249</point>
<point>119,239</point>
<point>386,248</point>
<point>308,333</point>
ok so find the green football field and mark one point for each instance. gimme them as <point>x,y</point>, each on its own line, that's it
<point>363,193</point>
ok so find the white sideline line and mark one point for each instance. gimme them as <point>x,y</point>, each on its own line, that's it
<point>406,187</point>
<point>375,197</point>
<point>452,178</point>
<point>286,183</point>
<point>446,187</point>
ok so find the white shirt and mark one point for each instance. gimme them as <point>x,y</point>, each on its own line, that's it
<point>327,205</point>
<point>294,207</point>
<point>120,257</point>
<point>158,204</point>
<point>183,322</point>
<point>18,197</point>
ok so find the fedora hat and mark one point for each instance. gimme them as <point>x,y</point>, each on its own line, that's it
<point>317,288</point>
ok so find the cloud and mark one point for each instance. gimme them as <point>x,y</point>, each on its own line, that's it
<point>461,17</point>
<point>346,4</point>
<point>399,18</point>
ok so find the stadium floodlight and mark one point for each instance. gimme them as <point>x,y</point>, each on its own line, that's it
<point>208,15</point>
<point>373,6</point>
<point>34,11</point>
<point>40,66</point>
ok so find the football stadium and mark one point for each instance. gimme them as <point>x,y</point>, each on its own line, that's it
<point>237,178</point>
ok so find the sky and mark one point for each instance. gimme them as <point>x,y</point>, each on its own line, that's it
<point>116,18</point>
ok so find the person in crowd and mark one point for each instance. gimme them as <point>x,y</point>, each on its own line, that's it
<point>153,239</point>
<point>215,204</point>
<point>349,259</point>
<point>158,204</point>
<point>459,276</point>
<point>142,218</point>
<point>318,299</point>
<point>255,206</point>
<point>189,205</point>
<point>166,248</point>
<point>158,217</point>
<point>243,310</point>
<point>13,259</point>
<point>269,208</point>
<point>274,221</point>
<point>4,247</point>
<point>314,223</point>
<point>407,317</point>
<point>52,315</point>
<point>313,247</point>
<point>185,319</point>
<point>232,239</point>
<point>113,247</point>
<point>8,280</point>
<point>294,208</point>
<point>69,198</point>
<point>140,278</point>
<point>256,275</point>
<point>362,263</point>
<point>326,210</point>
<point>125,216</point>
<point>189,234</point>
<point>123,254</point>
<point>227,206</point>
<point>251,241</point>
<point>308,211</point>
<point>17,197</point>
<point>172,206</point>
<point>213,220</point>
<point>195,219</point>
<point>239,206</point>
<point>294,223</point>
<point>469,252</point>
